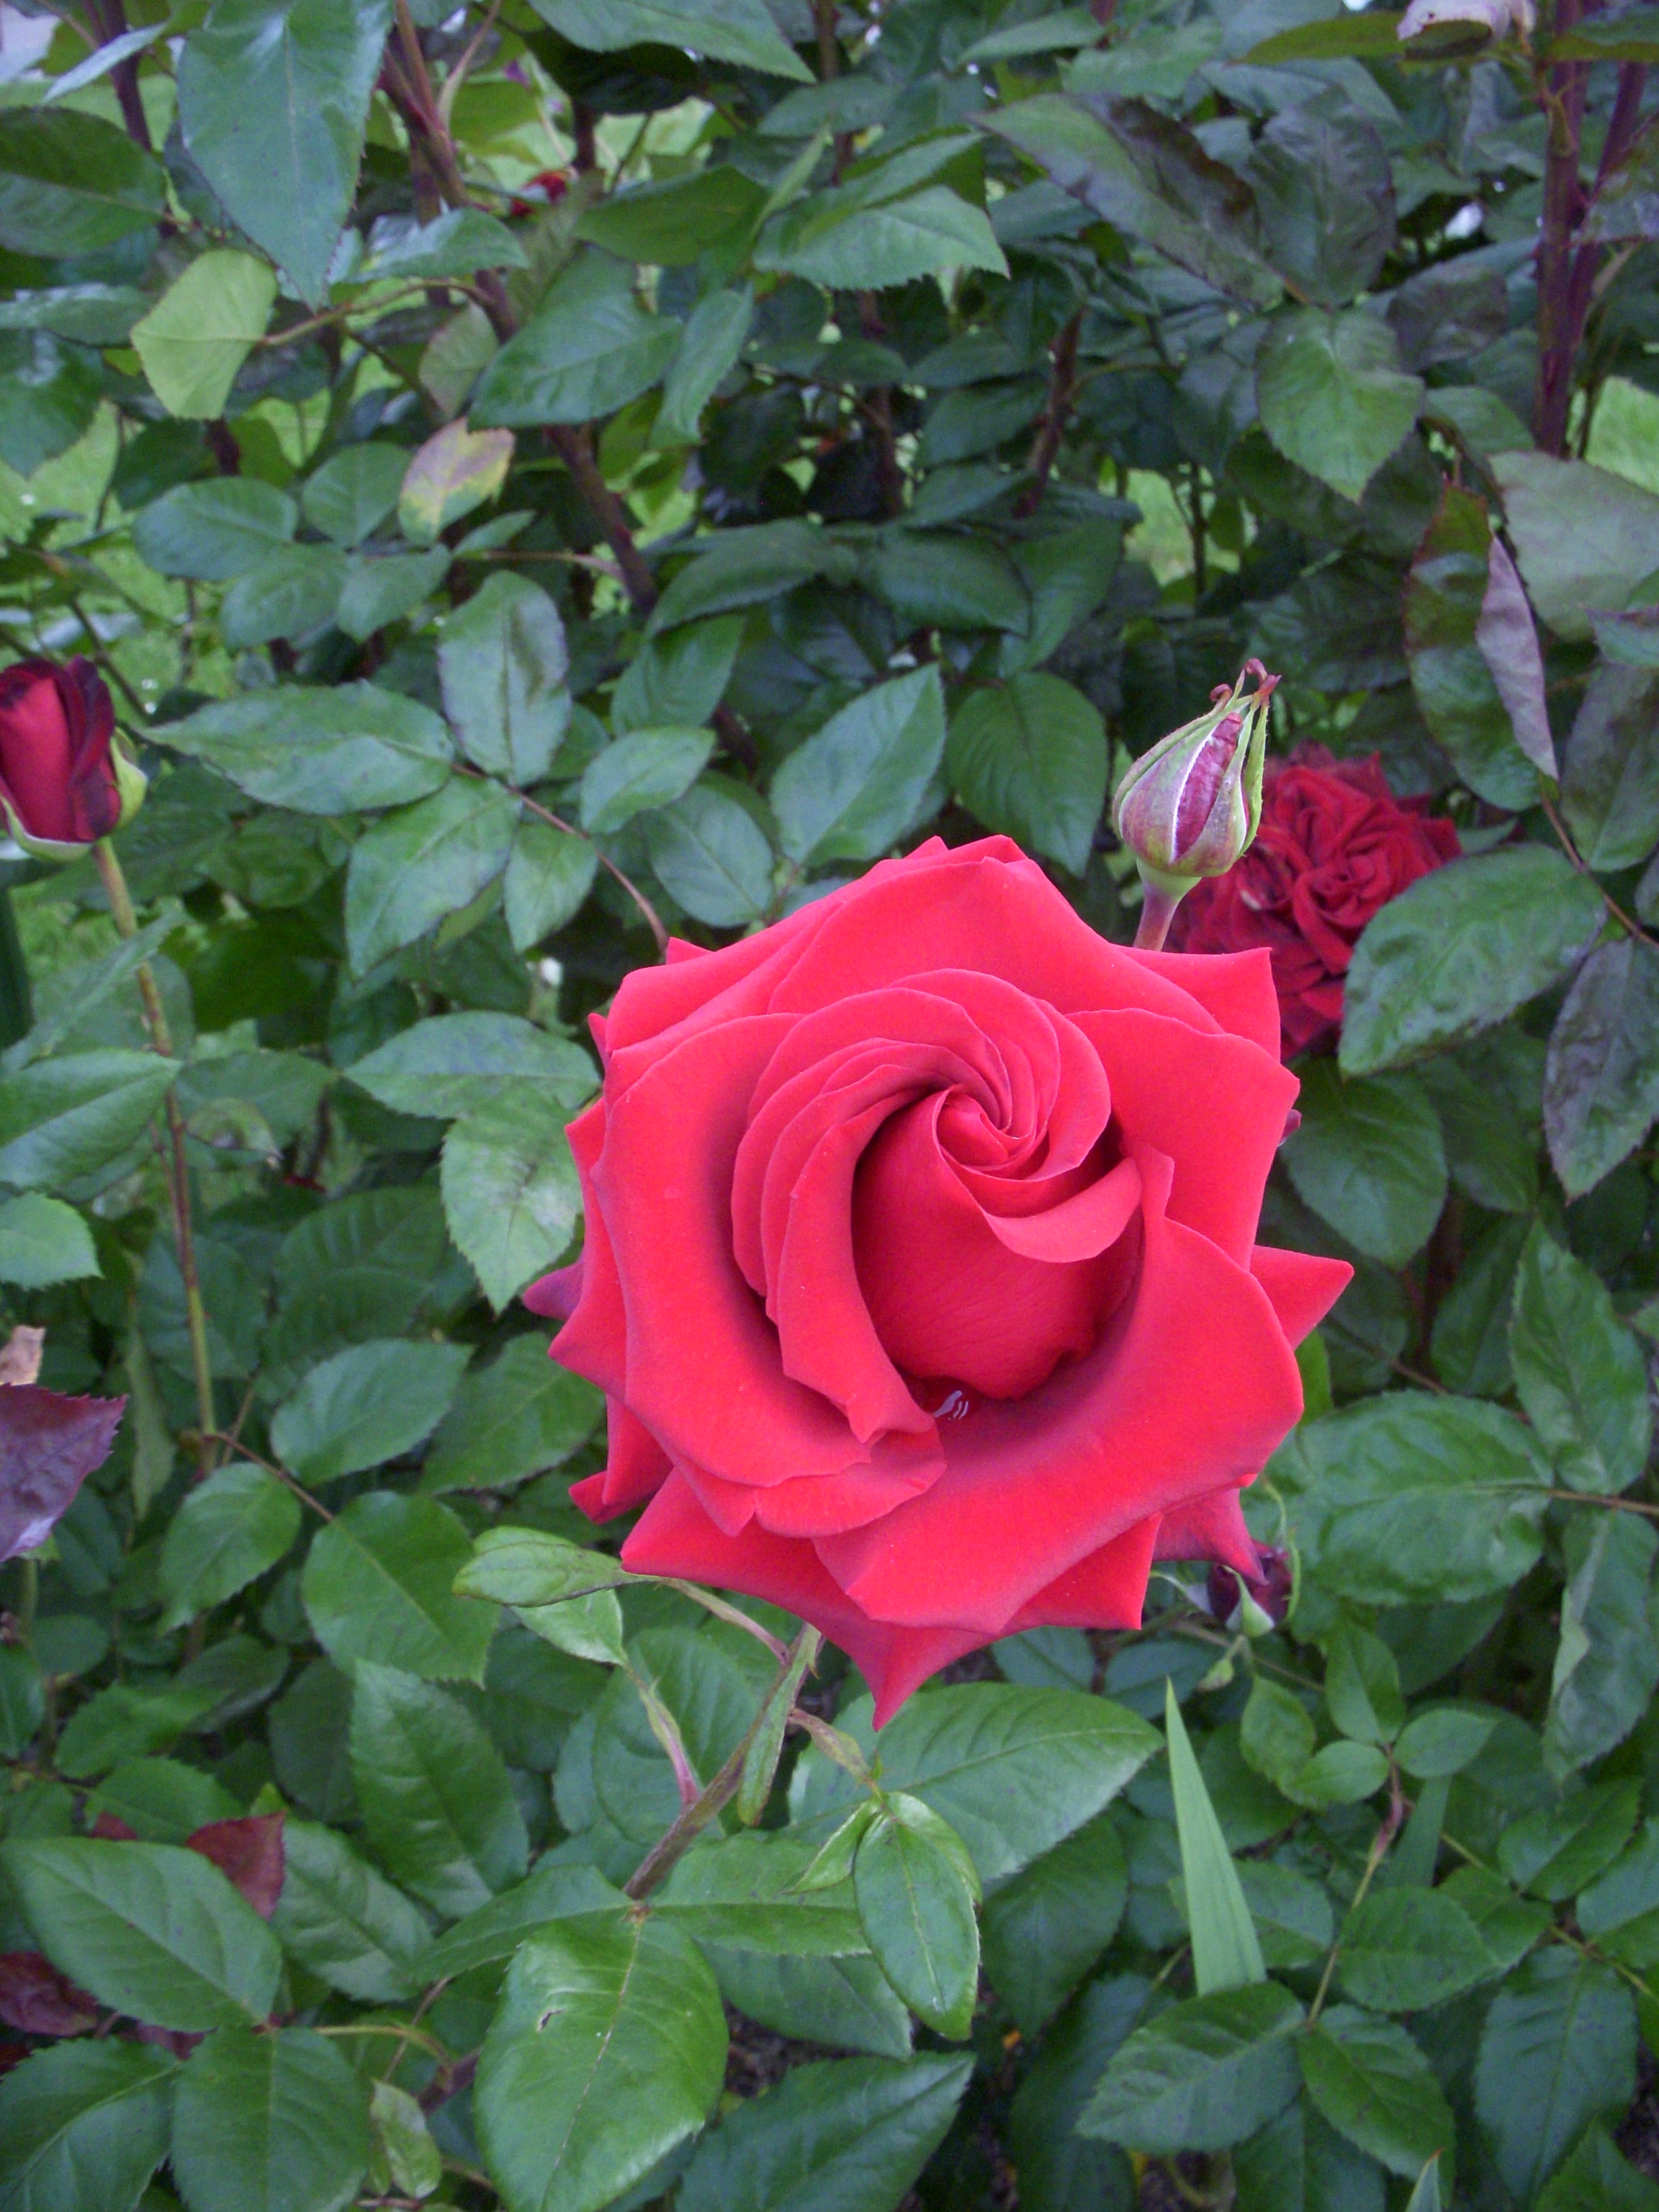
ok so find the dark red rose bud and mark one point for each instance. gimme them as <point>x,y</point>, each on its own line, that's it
<point>65,782</point>
<point>546,189</point>
<point>249,1853</point>
<point>1270,1590</point>
<point>37,2000</point>
<point>110,1828</point>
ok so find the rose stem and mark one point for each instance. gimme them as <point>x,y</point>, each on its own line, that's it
<point>664,1855</point>
<point>1156,913</point>
<point>161,1037</point>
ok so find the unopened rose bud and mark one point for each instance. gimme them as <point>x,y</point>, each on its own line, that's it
<point>1254,1603</point>
<point>1190,807</point>
<point>64,779</point>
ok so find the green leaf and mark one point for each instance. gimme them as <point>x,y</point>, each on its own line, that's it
<point>308,1747</point>
<point>1028,758</point>
<point>497,1929</point>
<point>42,1241</point>
<point>382,590</point>
<point>1059,2169</point>
<point>917,1913</point>
<point>63,1118</point>
<point>1596,2179</point>
<point>229,1530</point>
<point>210,532</point>
<point>453,243</point>
<point>849,247</point>
<point>1362,1685</point>
<point>1559,2049</point>
<point>676,681</point>
<point>1460,950</point>
<point>1610,780</point>
<point>709,852</point>
<point>853,788</point>
<point>1368,1157</point>
<point>195,339</point>
<point>413,867</point>
<point>1333,397</point>
<point>150,1928</point>
<point>1408,1949</point>
<point>746,1891</point>
<point>451,1063</point>
<point>1557,1848</point>
<point>344,1921</point>
<point>605,2055</point>
<point>589,349</point>
<point>1376,34</point>
<point>1226,1954</point>
<point>1445,595</point>
<point>437,1801</point>
<point>1373,2085</point>
<point>530,1568</point>
<point>50,397</point>
<point>71,184</point>
<point>1407,1499</point>
<point>456,470</point>
<point>1206,2072</point>
<point>1606,1663</point>
<point>739,567</point>
<point>952,582</point>
<point>351,495</point>
<point>379,1584</point>
<point>515,1418</point>
<point>1149,176</point>
<point>850,2134</point>
<point>670,224</point>
<point>503,662</point>
<point>413,2161</point>
<point>1441,1740</point>
<point>1277,1734</point>
<point>1619,1910</point>
<point>740,31</point>
<point>292,594</point>
<point>646,769</point>
<point>714,339</point>
<point>319,751</point>
<point>1584,538</point>
<point>1602,1078</point>
<point>1045,1927</point>
<point>1580,1373</point>
<point>273,96</point>
<point>269,2123</point>
<point>548,874</point>
<point>83,2126</point>
<point>1326,193</point>
<point>1013,1770</point>
<point>372,1403</point>
<point>510,1190</point>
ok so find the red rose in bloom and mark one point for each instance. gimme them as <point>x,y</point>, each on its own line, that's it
<point>59,783</point>
<point>1334,845</point>
<point>921,1271</point>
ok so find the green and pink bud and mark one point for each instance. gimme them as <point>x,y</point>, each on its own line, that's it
<point>1191,806</point>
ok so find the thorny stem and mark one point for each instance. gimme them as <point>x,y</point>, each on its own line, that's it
<point>1379,1850</point>
<point>155,1023</point>
<point>1062,388</point>
<point>666,1854</point>
<point>1626,922</point>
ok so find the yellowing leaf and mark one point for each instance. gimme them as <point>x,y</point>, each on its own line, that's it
<point>196,338</point>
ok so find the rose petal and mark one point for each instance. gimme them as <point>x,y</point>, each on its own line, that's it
<point>594,1341</point>
<point>1192,1385</point>
<point>1236,988</point>
<point>1301,1286</point>
<point>1107,1589</point>
<point>1210,1528</point>
<point>1214,1106</point>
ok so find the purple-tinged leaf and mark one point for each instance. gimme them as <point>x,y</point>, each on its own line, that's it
<point>1508,638</point>
<point>49,1444</point>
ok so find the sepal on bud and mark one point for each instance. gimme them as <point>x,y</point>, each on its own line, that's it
<point>1191,805</point>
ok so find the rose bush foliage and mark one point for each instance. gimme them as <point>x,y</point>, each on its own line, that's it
<point>536,484</point>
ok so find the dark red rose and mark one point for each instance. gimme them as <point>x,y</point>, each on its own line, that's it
<point>920,1268</point>
<point>546,189</point>
<point>1271,1587</point>
<point>57,772</point>
<point>1334,846</point>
